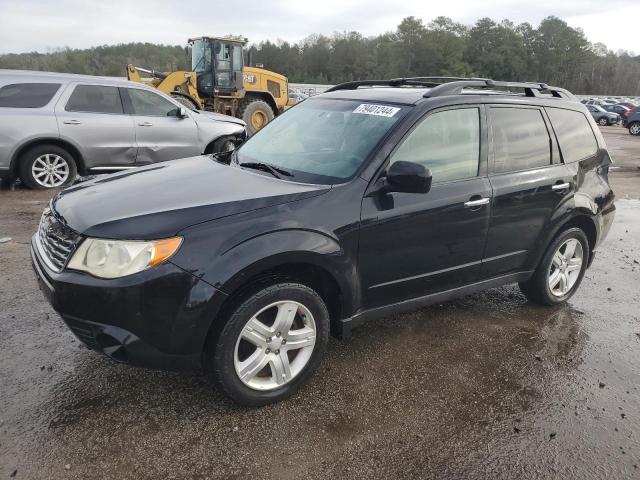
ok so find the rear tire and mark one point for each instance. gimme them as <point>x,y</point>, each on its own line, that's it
<point>270,345</point>
<point>603,122</point>
<point>543,287</point>
<point>634,128</point>
<point>255,113</point>
<point>47,166</point>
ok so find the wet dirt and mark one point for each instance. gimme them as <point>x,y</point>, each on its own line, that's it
<point>488,386</point>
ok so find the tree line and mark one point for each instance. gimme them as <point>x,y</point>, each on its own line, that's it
<point>554,53</point>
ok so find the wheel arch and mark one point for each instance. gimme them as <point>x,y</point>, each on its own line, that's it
<point>70,147</point>
<point>582,219</point>
<point>322,270</point>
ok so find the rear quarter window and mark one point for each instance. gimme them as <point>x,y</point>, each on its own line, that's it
<point>575,136</point>
<point>27,95</point>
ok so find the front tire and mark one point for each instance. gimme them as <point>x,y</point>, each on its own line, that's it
<point>47,166</point>
<point>634,128</point>
<point>270,345</point>
<point>603,122</point>
<point>224,144</point>
<point>560,271</point>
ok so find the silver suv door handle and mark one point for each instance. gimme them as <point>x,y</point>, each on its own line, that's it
<point>561,186</point>
<point>72,122</point>
<point>477,203</point>
<point>145,124</point>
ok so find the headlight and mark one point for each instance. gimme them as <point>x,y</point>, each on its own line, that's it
<point>118,258</point>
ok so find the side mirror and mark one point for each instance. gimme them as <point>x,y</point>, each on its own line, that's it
<point>182,113</point>
<point>408,177</point>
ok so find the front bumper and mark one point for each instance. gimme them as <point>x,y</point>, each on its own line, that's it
<point>158,318</point>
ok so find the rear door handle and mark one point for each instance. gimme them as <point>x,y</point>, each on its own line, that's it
<point>561,186</point>
<point>72,122</point>
<point>477,203</point>
<point>145,124</point>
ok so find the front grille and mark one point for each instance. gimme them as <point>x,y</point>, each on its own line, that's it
<point>56,241</point>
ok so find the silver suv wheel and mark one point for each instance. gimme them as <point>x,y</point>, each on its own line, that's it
<point>50,170</point>
<point>268,357</point>
<point>634,128</point>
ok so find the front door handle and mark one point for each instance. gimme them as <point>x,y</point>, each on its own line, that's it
<point>561,186</point>
<point>477,203</point>
<point>145,124</point>
<point>72,122</point>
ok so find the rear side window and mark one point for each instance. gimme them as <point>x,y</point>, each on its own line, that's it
<point>27,95</point>
<point>520,139</point>
<point>447,143</point>
<point>95,99</point>
<point>574,133</point>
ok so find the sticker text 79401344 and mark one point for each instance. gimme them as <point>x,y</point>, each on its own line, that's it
<point>380,110</point>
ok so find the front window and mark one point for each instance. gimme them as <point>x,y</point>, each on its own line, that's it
<point>201,56</point>
<point>322,140</point>
<point>150,104</point>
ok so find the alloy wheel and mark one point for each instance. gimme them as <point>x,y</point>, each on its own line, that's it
<point>50,170</point>
<point>565,268</point>
<point>275,345</point>
<point>634,129</point>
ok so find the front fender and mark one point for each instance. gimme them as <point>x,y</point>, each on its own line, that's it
<point>285,247</point>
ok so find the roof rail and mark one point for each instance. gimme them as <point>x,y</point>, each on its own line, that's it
<point>394,82</point>
<point>531,89</point>
<point>441,86</point>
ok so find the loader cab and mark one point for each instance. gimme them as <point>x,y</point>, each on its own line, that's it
<point>218,63</point>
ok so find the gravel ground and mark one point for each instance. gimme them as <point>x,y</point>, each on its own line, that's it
<point>488,386</point>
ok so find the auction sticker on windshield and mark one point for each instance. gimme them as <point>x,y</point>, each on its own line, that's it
<point>380,110</point>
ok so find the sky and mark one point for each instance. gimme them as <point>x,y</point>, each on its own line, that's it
<point>36,25</point>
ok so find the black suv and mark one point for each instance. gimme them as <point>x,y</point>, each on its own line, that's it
<point>373,198</point>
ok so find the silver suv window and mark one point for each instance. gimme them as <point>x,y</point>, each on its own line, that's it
<point>150,104</point>
<point>27,95</point>
<point>95,99</point>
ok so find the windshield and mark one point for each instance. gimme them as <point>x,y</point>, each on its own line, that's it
<point>201,56</point>
<point>321,140</point>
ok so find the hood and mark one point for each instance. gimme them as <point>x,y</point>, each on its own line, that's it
<point>203,115</point>
<point>157,201</point>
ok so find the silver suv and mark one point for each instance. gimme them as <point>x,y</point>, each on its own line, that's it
<point>54,126</point>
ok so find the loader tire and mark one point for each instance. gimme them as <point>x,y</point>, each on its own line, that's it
<point>255,113</point>
<point>185,101</point>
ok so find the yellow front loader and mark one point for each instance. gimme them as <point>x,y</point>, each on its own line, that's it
<point>219,82</point>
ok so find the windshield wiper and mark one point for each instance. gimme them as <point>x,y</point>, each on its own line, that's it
<point>266,167</point>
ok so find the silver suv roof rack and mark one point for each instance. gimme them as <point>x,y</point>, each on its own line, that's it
<point>443,86</point>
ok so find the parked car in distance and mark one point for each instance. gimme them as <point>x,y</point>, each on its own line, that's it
<point>602,116</point>
<point>370,199</point>
<point>54,125</point>
<point>629,105</point>
<point>621,110</point>
<point>633,121</point>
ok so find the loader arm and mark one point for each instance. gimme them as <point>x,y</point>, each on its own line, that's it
<point>178,83</point>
